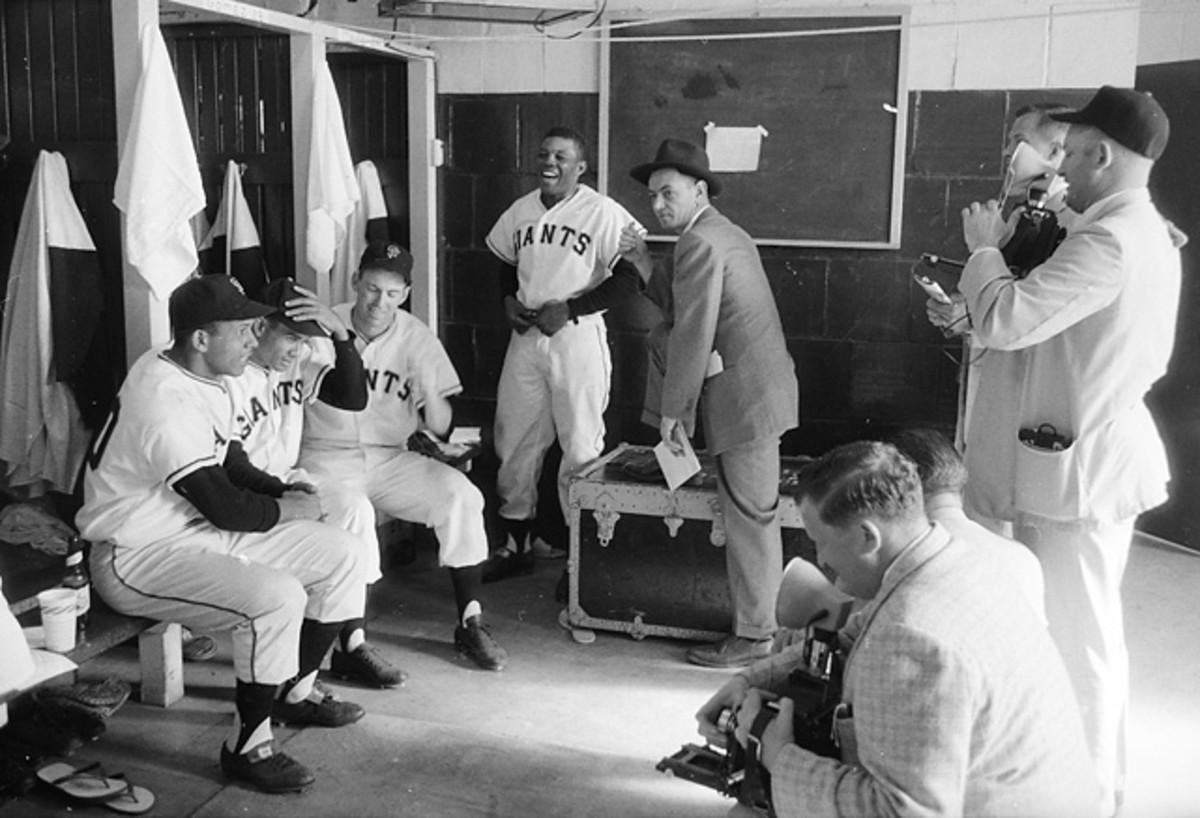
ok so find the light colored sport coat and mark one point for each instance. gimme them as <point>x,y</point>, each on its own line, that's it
<point>1097,323</point>
<point>960,703</point>
<point>721,301</point>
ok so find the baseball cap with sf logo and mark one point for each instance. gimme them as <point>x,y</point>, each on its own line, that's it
<point>209,298</point>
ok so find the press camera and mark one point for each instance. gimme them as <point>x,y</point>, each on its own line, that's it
<point>815,686</point>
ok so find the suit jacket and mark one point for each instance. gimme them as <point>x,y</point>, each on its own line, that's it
<point>1097,323</point>
<point>961,704</point>
<point>721,302</point>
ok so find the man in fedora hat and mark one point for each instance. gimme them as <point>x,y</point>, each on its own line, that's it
<point>1097,322</point>
<point>724,345</point>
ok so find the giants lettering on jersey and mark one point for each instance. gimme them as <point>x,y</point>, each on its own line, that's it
<point>388,381</point>
<point>285,392</point>
<point>552,234</point>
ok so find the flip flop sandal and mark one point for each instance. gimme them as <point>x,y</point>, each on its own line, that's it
<point>133,800</point>
<point>81,784</point>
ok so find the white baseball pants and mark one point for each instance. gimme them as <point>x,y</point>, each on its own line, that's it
<point>260,585</point>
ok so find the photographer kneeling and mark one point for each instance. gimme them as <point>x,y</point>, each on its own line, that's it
<point>955,701</point>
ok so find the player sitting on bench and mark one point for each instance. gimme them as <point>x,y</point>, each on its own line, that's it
<point>410,378</point>
<point>185,530</point>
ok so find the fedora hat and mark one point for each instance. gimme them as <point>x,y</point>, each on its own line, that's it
<point>685,157</point>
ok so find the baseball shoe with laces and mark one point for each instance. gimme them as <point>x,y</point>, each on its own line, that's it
<point>266,769</point>
<point>330,711</point>
<point>507,561</point>
<point>366,666</point>
<point>475,641</point>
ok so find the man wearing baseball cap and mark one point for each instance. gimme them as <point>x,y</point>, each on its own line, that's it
<point>287,371</point>
<point>410,379</point>
<point>1097,320</point>
<point>726,362</point>
<point>185,529</point>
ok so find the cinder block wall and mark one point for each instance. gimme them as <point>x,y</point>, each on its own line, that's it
<point>867,359</point>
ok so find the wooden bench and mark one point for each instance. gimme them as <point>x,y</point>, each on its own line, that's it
<point>160,644</point>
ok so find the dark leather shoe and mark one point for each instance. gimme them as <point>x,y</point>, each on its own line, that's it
<point>366,666</point>
<point>330,711</point>
<point>504,563</point>
<point>475,641</point>
<point>267,769</point>
<point>732,651</point>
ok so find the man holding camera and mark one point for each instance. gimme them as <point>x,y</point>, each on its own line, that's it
<point>1096,323</point>
<point>955,701</point>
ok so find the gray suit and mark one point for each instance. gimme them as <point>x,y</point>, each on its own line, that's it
<point>720,301</point>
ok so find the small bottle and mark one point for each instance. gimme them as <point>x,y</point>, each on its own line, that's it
<point>76,576</point>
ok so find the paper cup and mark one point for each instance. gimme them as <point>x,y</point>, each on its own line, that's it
<point>58,618</point>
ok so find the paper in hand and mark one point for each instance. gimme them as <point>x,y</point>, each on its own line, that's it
<point>677,468</point>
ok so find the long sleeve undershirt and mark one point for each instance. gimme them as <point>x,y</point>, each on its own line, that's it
<point>624,283</point>
<point>345,386</point>
<point>234,496</point>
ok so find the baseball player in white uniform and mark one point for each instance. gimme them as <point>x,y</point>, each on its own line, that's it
<point>186,530</point>
<point>269,397</point>
<point>409,379</point>
<point>561,271</point>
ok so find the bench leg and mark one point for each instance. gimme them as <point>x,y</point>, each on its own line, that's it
<point>160,651</point>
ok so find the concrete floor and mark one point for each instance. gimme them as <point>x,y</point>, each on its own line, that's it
<point>567,729</point>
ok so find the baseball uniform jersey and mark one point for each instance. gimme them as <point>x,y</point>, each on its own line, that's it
<point>396,363</point>
<point>367,451</point>
<point>563,251</point>
<point>269,409</point>
<point>269,420</point>
<point>554,384</point>
<point>166,423</point>
<point>156,555</point>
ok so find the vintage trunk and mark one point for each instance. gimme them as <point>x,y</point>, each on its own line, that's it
<point>651,562</point>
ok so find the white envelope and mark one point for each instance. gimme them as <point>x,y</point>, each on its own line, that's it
<point>677,469</point>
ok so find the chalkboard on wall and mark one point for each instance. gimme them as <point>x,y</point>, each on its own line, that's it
<point>828,92</point>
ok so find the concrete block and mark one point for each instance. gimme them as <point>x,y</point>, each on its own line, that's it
<point>160,651</point>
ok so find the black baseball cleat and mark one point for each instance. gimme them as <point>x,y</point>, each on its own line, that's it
<point>330,711</point>
<point>266,769</point>
<point>504,563</point>
<point>366,666</point>
<point>475,641</point>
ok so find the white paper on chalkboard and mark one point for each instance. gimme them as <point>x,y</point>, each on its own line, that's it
<point>733,149</point>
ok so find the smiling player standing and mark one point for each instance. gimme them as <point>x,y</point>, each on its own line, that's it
<point>561,271</point>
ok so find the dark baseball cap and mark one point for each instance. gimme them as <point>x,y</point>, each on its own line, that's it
<point>208,298</point>
<point>387,255</point>
<point>1129,117</point>
<point>276,295</point>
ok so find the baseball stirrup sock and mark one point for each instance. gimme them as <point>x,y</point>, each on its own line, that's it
<point>467,582</point>
<point>519,531</point>
<point>315,639</point>
<point>253,703</point>
<point>354,633</point>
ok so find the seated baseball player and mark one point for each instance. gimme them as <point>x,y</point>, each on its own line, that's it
<point>410,379</point>
<point>269,398</point>
<point>185,530</point>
